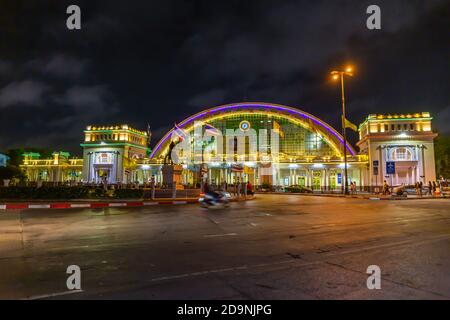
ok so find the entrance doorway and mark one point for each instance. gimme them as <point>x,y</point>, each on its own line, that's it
<point>333,182</point>
<point>102,174</point>
<point>316,180</point>
<point>301,181</point>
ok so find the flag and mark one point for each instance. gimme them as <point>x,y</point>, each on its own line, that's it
<point>212,130</point>
<point>350,125</point>
<point>179,133</point>
<point>149,134</point>
<point>277,128</point>
<point>237,168</point>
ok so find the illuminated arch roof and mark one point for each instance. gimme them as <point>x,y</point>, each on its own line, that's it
<point>303,118</point>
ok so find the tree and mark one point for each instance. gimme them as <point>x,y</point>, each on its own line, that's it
<point>16,155</point>
<point>9,172</point>
<point>442,156</point>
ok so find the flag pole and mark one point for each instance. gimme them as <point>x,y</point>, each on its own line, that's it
<point>344,134</point>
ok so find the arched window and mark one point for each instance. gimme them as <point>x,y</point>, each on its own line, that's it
<point>402,154</point>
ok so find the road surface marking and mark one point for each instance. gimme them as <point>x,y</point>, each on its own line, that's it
<point>300,263</point>
<point>2,206</point>
<point>244,267</point>
<point>219,235</point>
<point>57,294</point>
<point>263,214</point>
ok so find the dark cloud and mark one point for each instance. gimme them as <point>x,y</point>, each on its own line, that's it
<point>160,61</point>
<point>27,92</point>
<point>60,66</point>
<point>5,67</point>
<point>85,99</point>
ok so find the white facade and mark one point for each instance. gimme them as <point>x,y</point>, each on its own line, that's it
<point>404,140</point>
<point>110,153</point>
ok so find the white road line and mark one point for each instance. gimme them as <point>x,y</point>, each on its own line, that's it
<point>80,205</point>
<point>299,263</point>
<point>374,198</point>
<point>193,274</point>
<point>219,235</point>
<point>244,267</point>
<point>57,294</point>
<point>38,206</point>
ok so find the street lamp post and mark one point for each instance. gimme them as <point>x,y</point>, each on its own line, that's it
<point>340,75</point>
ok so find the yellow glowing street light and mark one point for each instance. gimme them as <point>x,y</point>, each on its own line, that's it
<point>337,74</point>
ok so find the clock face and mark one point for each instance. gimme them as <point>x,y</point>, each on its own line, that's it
<point>244,125</point>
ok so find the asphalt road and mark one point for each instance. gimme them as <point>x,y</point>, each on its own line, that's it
<point>274,247</point>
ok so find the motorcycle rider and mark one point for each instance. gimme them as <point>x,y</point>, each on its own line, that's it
<point>210,192</point>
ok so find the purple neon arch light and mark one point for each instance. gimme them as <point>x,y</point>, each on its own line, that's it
<point>250,106</point>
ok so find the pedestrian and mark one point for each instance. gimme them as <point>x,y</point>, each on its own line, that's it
<point>249,188</point>
<point>244,187</point>
<point>434,187</point>
<point>420,188</point>
<point>153,185</point>
<point>222,186</point>
<point>385,187</point>
<point>430,188</point>
<point>238,188</point>
<point>441,184</point>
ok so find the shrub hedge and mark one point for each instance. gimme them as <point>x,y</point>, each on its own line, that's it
<point>297,189</point>
<point>128,193</point>
<point>65,192</point>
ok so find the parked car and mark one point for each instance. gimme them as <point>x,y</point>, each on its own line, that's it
<point>408,189</point>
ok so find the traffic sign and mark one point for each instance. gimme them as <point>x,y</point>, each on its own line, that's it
<point>390,167</point>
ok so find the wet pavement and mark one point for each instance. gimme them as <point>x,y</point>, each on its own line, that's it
<point>273,247</point>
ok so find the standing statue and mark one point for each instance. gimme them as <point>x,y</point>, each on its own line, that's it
<point>168,157</point>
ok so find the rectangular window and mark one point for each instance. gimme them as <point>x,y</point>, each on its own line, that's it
<point>399,127</point>
<point>386,127</point>
<point>411,126</point>
<point>392,127</point>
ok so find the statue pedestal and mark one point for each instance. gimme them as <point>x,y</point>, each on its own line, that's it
<point>172,174</point>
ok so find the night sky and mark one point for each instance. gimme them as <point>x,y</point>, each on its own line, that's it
<point>157,62</point>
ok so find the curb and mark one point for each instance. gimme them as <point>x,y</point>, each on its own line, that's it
<point>100,204</point>
<point>69,205</point>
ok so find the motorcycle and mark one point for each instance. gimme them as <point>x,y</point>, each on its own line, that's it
<point>208,200</point>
